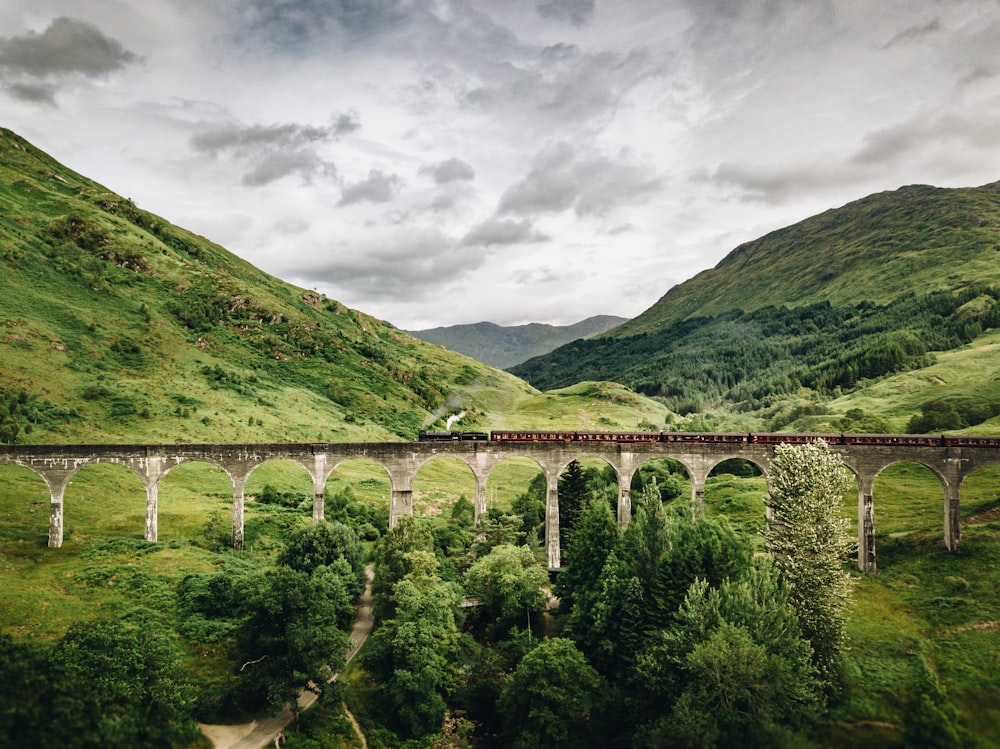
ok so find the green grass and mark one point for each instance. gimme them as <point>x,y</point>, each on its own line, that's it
<point>926,605</point>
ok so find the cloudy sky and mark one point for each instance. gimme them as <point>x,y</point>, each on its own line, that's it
<point>434,162</point>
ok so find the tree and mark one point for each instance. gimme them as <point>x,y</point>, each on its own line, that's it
<point>287,638</point>
<point>645,540</point>
<point>508,583</point>
<point>413,655</point>
<point>321,544</point>
<point>595,538</point>
<point>117,684</point>
<point>391,564</point>
<point>810,544</point>
<point>703,548</point>
<point>731,670</point>
<point>550,698</point>
<point>573,495</point>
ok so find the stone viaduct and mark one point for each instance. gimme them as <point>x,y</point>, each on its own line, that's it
<point>57,464</point>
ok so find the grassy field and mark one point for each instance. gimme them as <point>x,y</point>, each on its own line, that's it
<point>928,614</point>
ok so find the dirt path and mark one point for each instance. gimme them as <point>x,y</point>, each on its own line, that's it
<point>261,733</point>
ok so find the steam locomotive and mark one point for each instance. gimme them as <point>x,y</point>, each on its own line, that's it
<point>893,440</point>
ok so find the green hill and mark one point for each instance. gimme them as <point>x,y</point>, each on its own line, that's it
<point>786,325</point>
<point>116,326</point>
<point>917,238</point>
<point>506,346</point>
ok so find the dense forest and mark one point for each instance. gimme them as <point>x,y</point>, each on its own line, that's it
<point>749,361</point>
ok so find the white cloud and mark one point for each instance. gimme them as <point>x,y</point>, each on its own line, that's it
<point>530,160</point>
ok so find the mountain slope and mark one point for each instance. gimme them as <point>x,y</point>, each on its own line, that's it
<point>505,346</point>
<point>785,324</point>
<point>118,326</point>
<point>871,250</point>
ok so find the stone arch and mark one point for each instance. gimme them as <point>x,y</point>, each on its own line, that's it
<point>25,499</point>
<point>663,467</point>
<point>366,481</point>
<point>438,483</point>
<point>265,518</point>
<point>980,499</point>
<point>908,496</point>
<point>104,499</point>
<point>740,497</point>
<point>194,496</point>
<point>507,481</point>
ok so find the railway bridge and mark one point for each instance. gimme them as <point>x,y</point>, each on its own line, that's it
<point>57,464</point>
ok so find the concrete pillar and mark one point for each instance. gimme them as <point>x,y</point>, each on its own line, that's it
<point>552,521</point>
<point>400,504</point>
<point>952,526</point>
<point>319,498</point>
<point>698,496</point>
<point>56,480</point>
<point>866,527</point>
<point>624,500</point>
<point>480,509</point>
<point>319,474</point>
<point>56,515</point>
<point>238,513</point>
<point>152,494</point>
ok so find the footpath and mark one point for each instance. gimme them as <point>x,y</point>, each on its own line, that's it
<point>261,733</point>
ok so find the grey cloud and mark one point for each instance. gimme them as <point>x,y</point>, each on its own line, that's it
<point>377,188</point>
<point>271,152</point>
<point>915,33</point>
<point>39,93</point>
<point>249,139</point>
<point>590,185</point>
<point>346,123</point>
<point>66,46</point>
<point>291,25</point>
<point>273,166</point>
<point>562,82</point>
<point>450,170</point>
<point>497,231</point>
<point>407,265</point>
<point>576,12</point>
<point>927,145</point>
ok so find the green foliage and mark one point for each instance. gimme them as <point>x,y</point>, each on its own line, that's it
<point>950,415</point>
<point>393,563</point>
<point>732,669</point>
<point>110,683</point>
<point>810,543</point>
<point>574,491</point>
<point>508,583</point>
<point>413,655</point>
<point>551,698</point>
<point>322,544</point>
<point>287,636</point>
<point>751,360</point>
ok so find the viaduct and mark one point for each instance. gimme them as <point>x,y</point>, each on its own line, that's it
<point>57,464</point>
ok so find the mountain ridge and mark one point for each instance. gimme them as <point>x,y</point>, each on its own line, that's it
<point>506,346</point>
<point>873,249</point>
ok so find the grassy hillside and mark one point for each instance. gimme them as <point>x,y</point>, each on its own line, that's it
<point>118,326</point>
<point>871,250</point>
<point>504,347</point>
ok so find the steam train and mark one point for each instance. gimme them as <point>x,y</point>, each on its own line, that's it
<point>741,438</point>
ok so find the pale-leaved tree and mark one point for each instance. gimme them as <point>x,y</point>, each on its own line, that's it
<point>810,543</point>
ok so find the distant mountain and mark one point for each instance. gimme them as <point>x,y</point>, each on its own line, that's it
<point>504,347</point>
<point>786,324</point>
